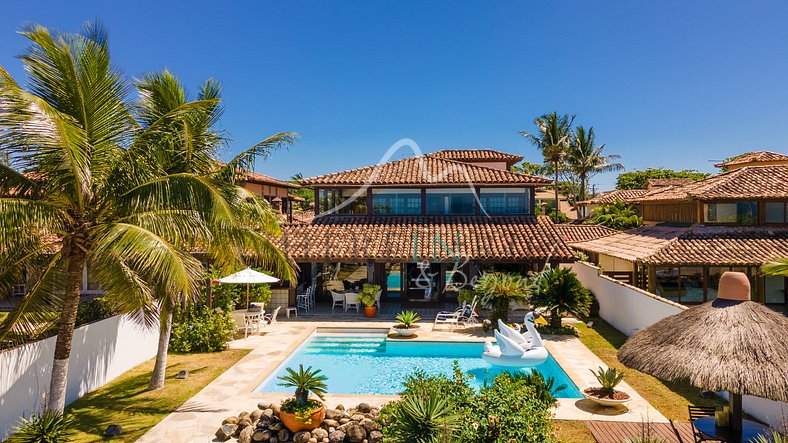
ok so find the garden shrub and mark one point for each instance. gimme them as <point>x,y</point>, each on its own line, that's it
<point>94,310</point>
<point>509,409</point>
<point>45,427</point>
<point>199,329</point>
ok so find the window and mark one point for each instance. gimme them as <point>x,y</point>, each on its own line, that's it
<point>451,201</point>
<point>505,200</point>
<point>396,201</point>
<point>342,201</point>
<point>668,285</point>
<point>775,289</point>
<point>776,213</point>
<point>740,213</point>
<point>691,280</point>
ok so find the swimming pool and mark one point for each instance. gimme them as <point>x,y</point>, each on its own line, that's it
<point>368,364</point>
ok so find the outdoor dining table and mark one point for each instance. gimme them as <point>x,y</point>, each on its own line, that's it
<point>750,430</point>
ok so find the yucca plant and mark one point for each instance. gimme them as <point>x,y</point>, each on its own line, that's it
<point>304,381</point>
<point>407,319</point>
<point>773,437</point>
<point>423,420</point>
<point>46,427</point>
<point>608,379</point>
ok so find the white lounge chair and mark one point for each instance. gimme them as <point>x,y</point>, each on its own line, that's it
<point>465,315</point>
<point>337,299</point>
<point>351,300</point>
<point>377,299</point>
<point>271,318</point>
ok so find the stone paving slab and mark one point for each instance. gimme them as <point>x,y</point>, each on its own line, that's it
<point>232,392</point>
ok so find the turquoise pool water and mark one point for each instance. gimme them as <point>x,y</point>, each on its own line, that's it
<point>369,364</point>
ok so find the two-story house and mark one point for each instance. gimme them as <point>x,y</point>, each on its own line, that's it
<point>424,227</point>
<point>736,220</point>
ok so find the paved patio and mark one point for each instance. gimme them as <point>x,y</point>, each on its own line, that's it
<point>230,393</point>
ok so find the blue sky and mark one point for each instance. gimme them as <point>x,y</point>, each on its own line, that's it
<point>665,83</point>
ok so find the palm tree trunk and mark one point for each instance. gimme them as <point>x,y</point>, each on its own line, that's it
<point>583,186</point>
<point>555,318</point>
<point>65,330</point>
<point>555,185</point>
<point>165,328</point>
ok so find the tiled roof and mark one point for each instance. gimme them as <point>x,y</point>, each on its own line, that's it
<point>573,233</point>
<point>662,182</point>
<point>255,177</point>
<point>754,157</point>
<point>724,245</point>
<point>399,238</point>
<point>477,155</point>
<point>624,195</point>
<point>635,244</point>
<point>304,217</point>
<point>424,170</point>
<point>748,182</point>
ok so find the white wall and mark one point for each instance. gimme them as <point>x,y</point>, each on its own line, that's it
<point>630,309</point>
<point>100,352</point>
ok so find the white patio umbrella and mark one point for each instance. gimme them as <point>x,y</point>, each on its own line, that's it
<point>249,277</point>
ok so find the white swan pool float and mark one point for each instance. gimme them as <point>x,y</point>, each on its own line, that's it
<point>513,349</point>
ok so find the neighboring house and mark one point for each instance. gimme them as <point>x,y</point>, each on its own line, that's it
<point>737,220</point>
<point>276,192</point>
<point>585,207</point>
<point>424,227</point>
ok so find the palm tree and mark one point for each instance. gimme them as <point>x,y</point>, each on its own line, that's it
<point>553,136</point>
<point>85,190</point>
<point>559,291</point>
<point>777,267</point>
<point>585,158</point>
<point>192,149</point>
<point>500,290</point>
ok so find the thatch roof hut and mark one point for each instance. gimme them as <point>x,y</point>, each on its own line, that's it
<point>729,344</point>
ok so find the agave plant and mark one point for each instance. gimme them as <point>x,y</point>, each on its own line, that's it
<point>47,427</point>
<point>423,420</point>
<point>773,437</point>
<point>608,378</point>
<point>305,381</point>
<point>407,319</point>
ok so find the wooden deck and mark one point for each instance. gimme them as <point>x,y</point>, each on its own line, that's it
<point>619,432</point>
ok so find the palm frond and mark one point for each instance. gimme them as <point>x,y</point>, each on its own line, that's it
<point>777,267</point>
<point>236,168</point>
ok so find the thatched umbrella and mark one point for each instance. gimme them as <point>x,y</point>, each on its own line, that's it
<point>729,344</point>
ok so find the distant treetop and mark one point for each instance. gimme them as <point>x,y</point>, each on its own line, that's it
<point>638,179</point>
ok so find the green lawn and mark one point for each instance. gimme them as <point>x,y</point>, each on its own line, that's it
<point>127,402</point>
<point>572,431</point>
<point>671,399</point>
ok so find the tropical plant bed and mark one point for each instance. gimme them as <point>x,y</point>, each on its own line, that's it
<point>603,395</point>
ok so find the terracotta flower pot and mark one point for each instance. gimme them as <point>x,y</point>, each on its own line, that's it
<point>370,311</point>
<point>292,422</point>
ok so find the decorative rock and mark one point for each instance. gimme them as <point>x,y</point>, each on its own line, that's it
<point>264,405</point>
<point>328,423</point>
<point>370,425</point>
<point>312,440</point>
<point>232,420</point>
<point>356,433</point>
<point>242,414</point>
<point>182,375</point>
<point>334,414</point>
<point>274,440</point>
<point>319,434</point>
<point>375,437</point>
<point>364,407</point>
<point>344,420</point>
<point>261,435</point>
<point>369,416</point>
<point>357,417</point>
<point>246,435</point>
<point>225,432</point>
<point>283,435</point>
<point>340,407</point>
<point>302,437</point>
<point>244,423</point>
<point>113,430</point>
<point>276,426</point>
<point>334,437</point>
<point>268,412</point>
<point>255,415</point>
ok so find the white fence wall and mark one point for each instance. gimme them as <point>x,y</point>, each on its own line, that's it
<point>101,351</point>
<point>630,309</point>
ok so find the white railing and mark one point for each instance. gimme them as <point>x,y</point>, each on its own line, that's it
<point>100,352</point>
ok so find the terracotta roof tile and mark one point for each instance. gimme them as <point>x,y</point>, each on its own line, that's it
<point>255,177</point>
<point>662,182</point>
<point>477,155</point>
<point>624,195</point>
<point>399,238</point>
<point>635,244</point>
<point>573,233</point>
<point>724,245</point>
<point>754,157</point>
<point>424,170</point>
<point>748,182</point>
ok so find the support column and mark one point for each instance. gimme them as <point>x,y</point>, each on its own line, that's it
<point>734,400</point>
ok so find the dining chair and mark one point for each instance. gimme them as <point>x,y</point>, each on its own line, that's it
<point>337,299</point>
<point>351,300</point>
<point>696,412</point>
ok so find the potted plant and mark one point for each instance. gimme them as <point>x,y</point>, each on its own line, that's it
<point>407,323</point>
<point>301,413</point>
<point>369,297</point>
<point>606,394</point>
